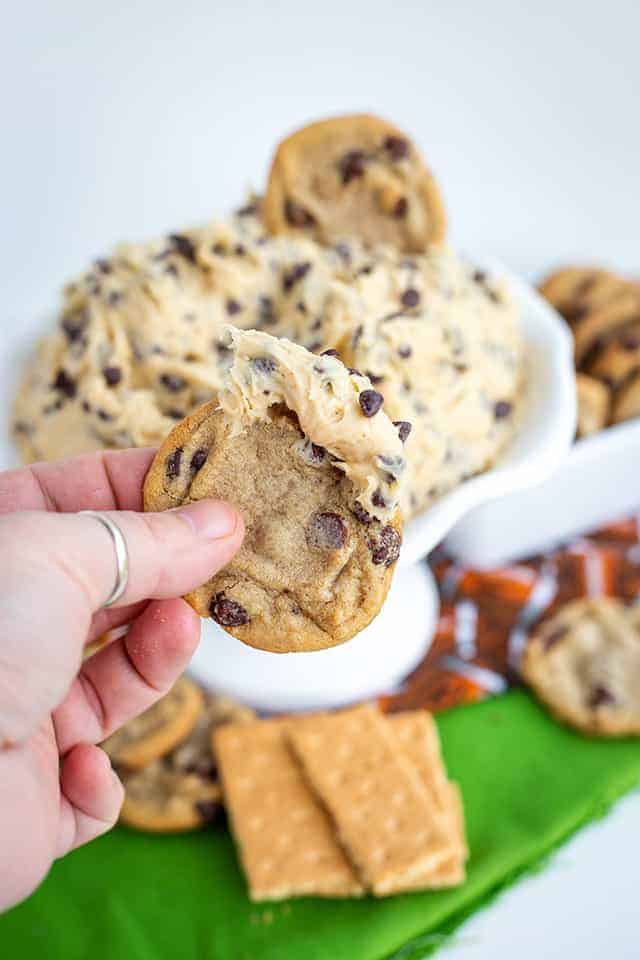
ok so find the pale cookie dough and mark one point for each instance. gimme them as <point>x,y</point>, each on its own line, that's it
<point>140,343</point>
<point>354,176</point>
<point>584,664</point>
<point>304,449</point>
<point>594,403</point>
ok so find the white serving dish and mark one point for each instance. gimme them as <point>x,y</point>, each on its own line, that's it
<point>597,481</point>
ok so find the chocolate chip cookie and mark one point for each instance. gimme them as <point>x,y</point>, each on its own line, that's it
<point>577,291</point>
<point>594,402</point>
<point>303,447</point>
<point>619,359</point>
<point>354,176</point>
<point>181,791</point>
<point>584,664</point>
<point>626,404</point>
<point>158,729</point>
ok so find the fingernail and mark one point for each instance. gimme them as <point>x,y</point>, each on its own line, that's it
<point>212,519</point>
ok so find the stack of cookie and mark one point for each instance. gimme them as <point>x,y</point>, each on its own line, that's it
<point>341,804</point>
<point>165,761</point>
<point>603,311</point>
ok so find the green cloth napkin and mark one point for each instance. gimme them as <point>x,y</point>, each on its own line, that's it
<point>527,783</point>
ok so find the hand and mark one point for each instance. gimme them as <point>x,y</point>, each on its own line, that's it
<point>57,788</point>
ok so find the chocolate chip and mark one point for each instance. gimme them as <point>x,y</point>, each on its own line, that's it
<point>386,547</point>
<point>400,209</point>
<point>219,249</point>
<point>172,382</point>
<point>317,453</point>
<point>228,613</point>
<point>361,514</point>
<point>86,406</point>
<point>370,402</point>
<point>354,372</point>
<point>198,459</point>
<point>343,251</point>
<point>112,375</point>
<point>397,147</point>
<point>104,415</point>
<point>266,311</point>
<point>479,276</point>
<point>378,499</point>
<point>172,464</point>
<point>600,696</point>
<point>114,297</point>
<point>208,810</point>
<point>328,531</point>
<point>184,246</point>
<point>297,272</point>
<point>296,215</point>
<point>171,269</point>
<point>405,352</point>
<point>74,325</point>
<point>233,307</point>
<point>264,364</point>
<point>239,250</point>
<point>502,409</point>
<point>551,639</point>
<point>65,384</point>
<point>175,414</point>
<point>104,266</point>
<point>330,353</point>
<point>410,298</point>
<point>404,429</point>
<point>301,307</point>
<point>352,165</point>
<point>374,377</point>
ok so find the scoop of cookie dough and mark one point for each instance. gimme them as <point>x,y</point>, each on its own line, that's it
<point>584,664</point>
<point>304,449</point>
<point>354,176</point>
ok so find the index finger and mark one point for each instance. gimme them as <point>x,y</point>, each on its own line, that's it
<point>108,480</point>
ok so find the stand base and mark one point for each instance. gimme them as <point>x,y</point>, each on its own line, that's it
<point>373,662</point>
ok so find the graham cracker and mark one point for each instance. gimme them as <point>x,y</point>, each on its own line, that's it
<point>385,817</point>
<point>285,838</point>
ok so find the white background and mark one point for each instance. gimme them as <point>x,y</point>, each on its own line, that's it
<point>123,119</point>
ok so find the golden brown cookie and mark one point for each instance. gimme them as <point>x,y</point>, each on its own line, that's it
<point>594,402</point>
<point>181,790</point>
<point>575,291</point>
<point>314,567</point>
<point>619,359</point>
<point>584,664</point>
<point>598,326</point>
<point>354,176</point>
<point>626,405</point>
<point>158,729</point>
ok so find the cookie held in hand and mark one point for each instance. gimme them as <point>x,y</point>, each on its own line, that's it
<point>354,176</point>
<point>304,449</point>
<point>584,664</point>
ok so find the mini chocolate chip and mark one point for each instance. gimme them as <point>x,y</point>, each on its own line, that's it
<point>404,429</point>
<point>328,531</point>
<point>112,375</point>
<point>208,810</point>
<point>502,409</point>
<point>74,325</point>
<point>378,499</point>
<point>301,307</point>
<point>296,215</point>
<point>330,353</point>
<point>398,147</point>
<point>198,460</point>
<point>172,464</point>
<point>366,270</point>
<point>228,613</point>
<point>374,377</point>
<point>343,251</point>
<point>405,352</point>
<point>65,384</point>
<point>219,249</point>
<point>86,406</point>
<point>266,311</point>
<point>104,415</point>
<point>172,382</point>
<point>361,514</point>
<point>370,402</point>
<point>317,453</point>
<point>386,547</point>
<point>600,696</point>
<point>410,298</point>
<point>264,364</point>
<point>175,414</point>
<point>400,209</point>
<point>233,307</point>
<point>114,297</point>
<point>551,639</point>
<point>184,246</point>
<point>103,266</point>
<point>354,372</point>
<point>21,427</point>
<point>352,165</point>
<point>296,273</point>
<point>248,210</point>
<point>239,250</point>
<point>479,276</point>
<point>171,269</point>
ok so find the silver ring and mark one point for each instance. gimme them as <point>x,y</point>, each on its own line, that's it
<point>122,556</point>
